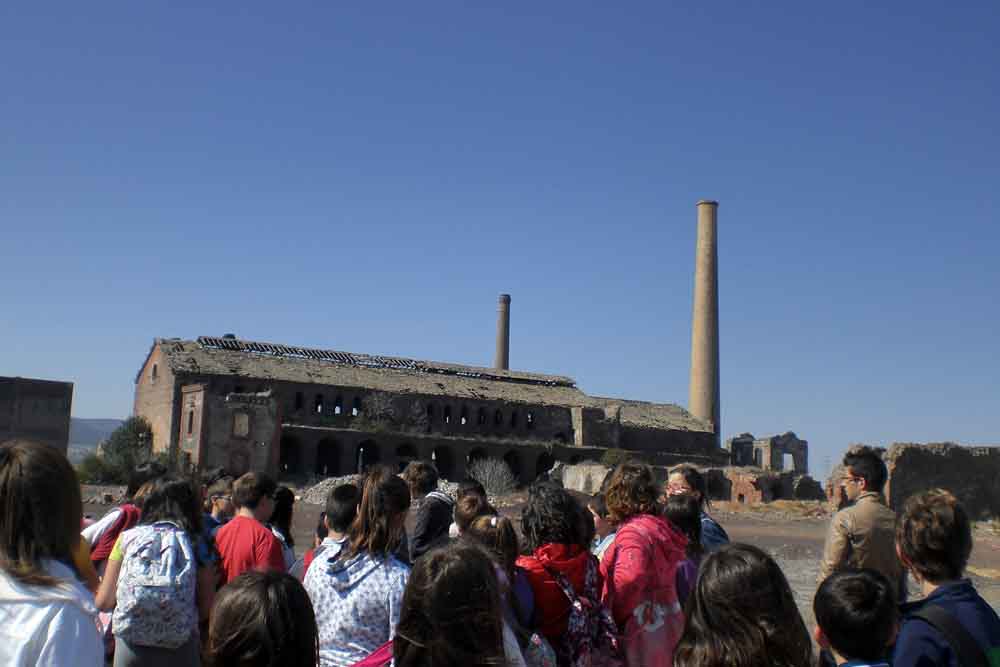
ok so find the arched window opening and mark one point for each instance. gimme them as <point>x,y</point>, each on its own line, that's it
<point>318,406</point>
<point>356,408</point>
<point>530,419</point>
<point>300,401</point>
<point>190,422</point>
<point>447,414</point>
<point>481,419</point>
<point>464,419</point>
<point>498,417</point>
<point>338,406</point>
<point>430,413</point>
<point>155,373</point>
<point>513,419</point>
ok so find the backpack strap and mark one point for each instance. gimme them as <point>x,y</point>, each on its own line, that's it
<point>964,645</point>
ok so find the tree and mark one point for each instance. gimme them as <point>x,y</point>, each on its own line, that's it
<point>128,446</point>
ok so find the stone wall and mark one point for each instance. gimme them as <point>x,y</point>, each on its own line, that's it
<point>157,398</point>
<point>971,473</point>
<point>36,410</point>
<point>769,453</point>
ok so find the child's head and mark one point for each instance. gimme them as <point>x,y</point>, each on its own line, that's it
<point>422,478</point>
<point>254,491</point>
<point>378,529</point>
<point>342,507</point>
<point>934,536</point>
<point>551,515</point>
<point>856,614</point>
<point>261,619</point>
<point>219,498</point>
<point>40,509</point>
<point>470,506</point>
<point>496,534</point>
<point>742,613</point>
<point>172,499</point>
<point>599,512</point>
<point>451,612</point>
<point>685,513</point>
<point>631,490</point>
<point>686,480</point>
<point>143,473</point>
<point>470,487</point>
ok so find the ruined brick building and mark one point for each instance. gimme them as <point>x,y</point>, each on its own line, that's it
<point>35,410</point>
<point>251,405</point>
<point>248,405</point>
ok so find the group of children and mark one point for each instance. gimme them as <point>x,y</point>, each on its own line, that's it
<point>403,574</point>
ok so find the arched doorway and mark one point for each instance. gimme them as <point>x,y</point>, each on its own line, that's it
<point>289,454</point>
<point>475,455</point>
<point>366,455</point>
<point>513,462</point>
<point>404,454</point>
<point>443,460</point>
<point>544,464</point>
<point>327,457</point>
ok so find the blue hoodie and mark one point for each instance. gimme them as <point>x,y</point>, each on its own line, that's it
<point>357,603</point>
<point>920,645</point>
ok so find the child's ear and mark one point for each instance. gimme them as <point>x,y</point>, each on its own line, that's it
<point>821,638</point>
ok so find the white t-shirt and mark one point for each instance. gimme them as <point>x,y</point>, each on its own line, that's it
<point>49,626</point>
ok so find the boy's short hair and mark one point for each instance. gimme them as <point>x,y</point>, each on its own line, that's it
<point>856,610</point>
<point>470,487</point>
<point>867,463</point>
<point>321,530</point>
<point>220,487</point>
<point>933,533</point>
<point>421,476</point>
<point>249,489</point>
<point>342,506</point>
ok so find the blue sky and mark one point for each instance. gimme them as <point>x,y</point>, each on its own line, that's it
<point>369,179</point>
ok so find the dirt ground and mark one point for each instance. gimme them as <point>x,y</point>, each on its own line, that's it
<point>794,538</point>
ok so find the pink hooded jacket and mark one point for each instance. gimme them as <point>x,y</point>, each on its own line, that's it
<point>640,589</point>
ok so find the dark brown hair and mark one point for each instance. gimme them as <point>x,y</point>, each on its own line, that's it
<point>469,507</point>
<point>451,614</point>
<point>421,476</point>
<point>40,510</point>
<point>175,500</point>
<point>856,610</point>
<point>496,534</point>
<point>223,486</point>
<point>250,488</point>
<point>684,512</point>
<point>631,491</point>
<point>263,619</point>
<point>934,534</point>
<point>866,463</point>
<point>741,613</point>
<point>378,528</point>
<point>551,515</point>
<point>342,507</point>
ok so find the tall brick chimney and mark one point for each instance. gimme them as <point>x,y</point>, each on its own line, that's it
<point>502,360</point>
<point>703,399</point>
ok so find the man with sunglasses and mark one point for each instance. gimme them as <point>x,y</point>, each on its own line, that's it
<point>862,535</point>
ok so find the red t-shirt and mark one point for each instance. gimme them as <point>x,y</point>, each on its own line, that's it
<point>246,544</point>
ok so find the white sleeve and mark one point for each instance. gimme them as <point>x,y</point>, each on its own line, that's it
<point>73,638</point>
<point>93,532</point>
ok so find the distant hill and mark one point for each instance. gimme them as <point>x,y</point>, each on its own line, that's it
<point>89,432</point>
<point>86,434</point>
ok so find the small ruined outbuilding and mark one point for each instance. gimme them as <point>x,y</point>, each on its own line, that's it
<point>36,410</point>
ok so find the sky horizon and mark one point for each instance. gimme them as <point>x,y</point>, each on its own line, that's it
<point>370,179</point>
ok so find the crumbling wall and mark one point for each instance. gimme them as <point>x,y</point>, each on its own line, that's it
<point>971,473</point>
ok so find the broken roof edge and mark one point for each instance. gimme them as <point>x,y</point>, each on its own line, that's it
<point>280,350</point>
